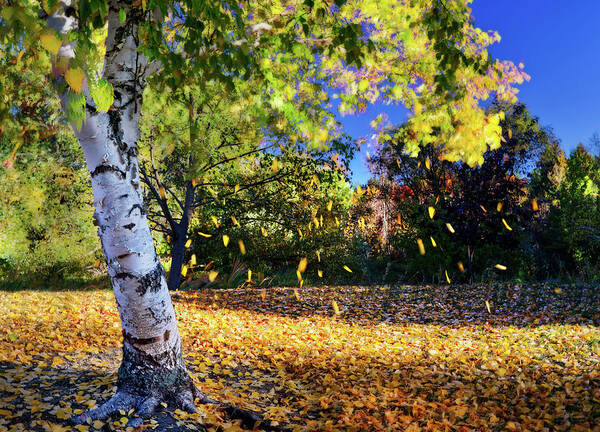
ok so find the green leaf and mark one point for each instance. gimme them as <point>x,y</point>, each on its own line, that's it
<point>122,16</point>
<point>102,94</point>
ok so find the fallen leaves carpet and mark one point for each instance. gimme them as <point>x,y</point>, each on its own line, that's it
<point>394,358</point>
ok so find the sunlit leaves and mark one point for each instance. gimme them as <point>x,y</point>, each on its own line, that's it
<point>75,77</point>
<point>51,42</point>
<point>102,94</point>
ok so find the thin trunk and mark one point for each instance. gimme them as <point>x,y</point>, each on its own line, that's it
<point>180,238</point>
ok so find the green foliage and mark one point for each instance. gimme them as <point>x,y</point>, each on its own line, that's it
<point>45,212</point>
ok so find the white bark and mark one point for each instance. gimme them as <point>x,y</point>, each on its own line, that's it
<point>152,360</point>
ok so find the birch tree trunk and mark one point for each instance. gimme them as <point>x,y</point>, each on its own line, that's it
<point>152,369</point>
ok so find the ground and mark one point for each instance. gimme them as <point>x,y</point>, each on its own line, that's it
<point>398,358</point>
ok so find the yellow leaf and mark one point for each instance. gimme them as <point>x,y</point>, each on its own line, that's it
<point>499,206</point>
<point>235,221</point>
<point>329,205</point>
<point>215,220</point>
<point>428,163</point>
<point>225,240</point>
<point>336,309</point>
<point>500,267</point>
<point>242,247</point>
<point>558,290</point>
<point>194,182</point>
<point>447,277</point>
<point>162,192</point>
<point>487,305</point>
<point>19,56</point>
<point>431,211</point>
<point>450,228</point>
<point>534,204</point>
<point>75,78</point>
<point>188,243</point>
<point>51,42</point>
<point>421,246</point>
<point>483,208</point>
<point>275,165</point>
<point>461,267</point>
<point>506,225</point>
<point>204,235</point>
<point>236,188</point>
<point>249,275</point>
<point>433,243</point>
<point>337,222</point>
<point>184,270</point>
<point>347,269</point>
<point>264,231</point>
<point>320,273</point>
<point>212,275</point>
<point>509,133</point>
<point>302,265</point>
<point>300,232</point>
<point>193,260</point>
<point>318,256</point>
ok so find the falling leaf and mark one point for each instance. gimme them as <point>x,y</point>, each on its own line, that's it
<point>506,225</point>
<point>215,220</point>
<point>193,260</point>
<point>75,78</point>
<point>428,163</point>
<point>336,309</point>
<point>534,205</point>
<point>302,265</point>
<point>264,231</point>
<point>499,206</point>
<point>431,211</point>
<point>249,275</point>
<point>461,267</point>
<point>329,205</point>
<point>51,42</point>
<point>509,133</point>
<point>450,227</point>
<point>236,188</point>
<point>447,277</point>
<point>433,243</point>
<point>347,269</point>
<point>487,305</point>
<point>318,256</point>
<point>300,232</point>
<point>235,221</point>
<point>225,240</point>
<point>483,208</point>
<point>320,273</point>
<point>188,243</point>
<point>500,267</point>
<point>204,235</point>
<point>242,247</point>
<point>421,246</point>
<point>557,290</point>
<point>184,270</point>
<point>212,275</point>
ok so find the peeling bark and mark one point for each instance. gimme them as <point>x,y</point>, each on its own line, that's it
<point>152,369</point>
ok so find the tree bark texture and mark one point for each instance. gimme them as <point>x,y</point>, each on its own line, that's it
<point>152,368</point>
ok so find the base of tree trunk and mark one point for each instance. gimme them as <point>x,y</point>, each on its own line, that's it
<point>144,382</point>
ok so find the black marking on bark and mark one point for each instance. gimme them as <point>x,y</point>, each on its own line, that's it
<point>123,255</point>
<point>141,341</point>
<point>138,206</point>
<point>151,280</point>
<point>103,168</point>
<point>129,226</point>
<point>123,196</point>
<point>124,275</point>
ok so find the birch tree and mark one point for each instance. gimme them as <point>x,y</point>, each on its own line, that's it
<point>315,59</point>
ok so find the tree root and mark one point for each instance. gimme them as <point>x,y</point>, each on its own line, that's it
<point>145,406</point>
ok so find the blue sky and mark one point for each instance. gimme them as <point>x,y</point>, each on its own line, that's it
<point>559,43</point>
